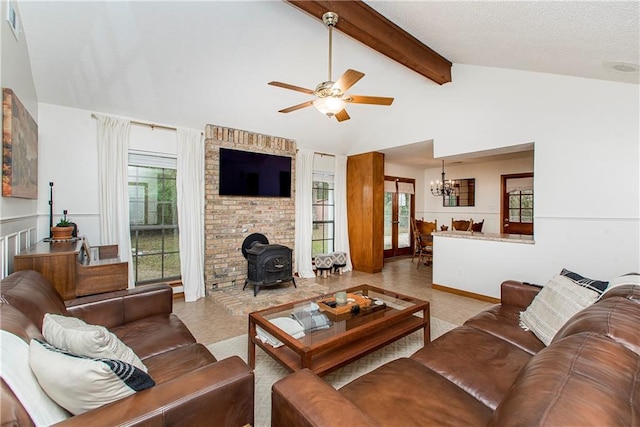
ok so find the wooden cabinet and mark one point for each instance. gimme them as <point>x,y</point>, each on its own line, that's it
<point>55,261</point>
<point>365,211</point>
<point>71,268</point>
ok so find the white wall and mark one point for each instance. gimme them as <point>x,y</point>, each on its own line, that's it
<point>586,173</point>
<point>487,194</point>
<point>15,67</point>
<point>68,143</point>
<point>17,216</point>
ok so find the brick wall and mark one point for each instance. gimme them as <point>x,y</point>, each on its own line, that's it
<point>229,220</point>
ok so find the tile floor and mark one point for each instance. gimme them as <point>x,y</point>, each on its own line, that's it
<point>210,322</point>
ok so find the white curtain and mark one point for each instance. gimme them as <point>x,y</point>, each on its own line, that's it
<point>190,198</point>
<point>113,186</point>
<point>341,243</point>
<point>304,218</point>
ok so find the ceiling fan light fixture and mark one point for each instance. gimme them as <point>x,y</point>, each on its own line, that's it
<point>330,106</point>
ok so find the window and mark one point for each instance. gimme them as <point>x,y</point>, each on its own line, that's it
<point>153,219</point>
<point>323,213</point>
<point>521,206</point>
<point>12,17</point>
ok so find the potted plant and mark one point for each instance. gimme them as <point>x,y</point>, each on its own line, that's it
<point>63,230</point>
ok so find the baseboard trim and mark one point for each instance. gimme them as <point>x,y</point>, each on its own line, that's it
<point>368,270</point>
<point>466,294</point>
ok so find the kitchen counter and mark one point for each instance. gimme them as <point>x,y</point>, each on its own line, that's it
<point>496,237</point>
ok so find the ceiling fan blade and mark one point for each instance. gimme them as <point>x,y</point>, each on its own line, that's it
<point>292,87</point>
<point>361,99</point>
<point>296,107</point>
<point>342,116</point>
<point>348,79</point>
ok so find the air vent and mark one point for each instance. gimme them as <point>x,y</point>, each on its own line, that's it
<point>622,67</point>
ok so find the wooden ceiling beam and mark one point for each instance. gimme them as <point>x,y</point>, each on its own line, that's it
<point>361,22</point>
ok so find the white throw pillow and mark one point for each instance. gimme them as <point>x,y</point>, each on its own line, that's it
<point>556,303</point>
<point>15,371</point>
<point>80,384</point>
<point>627,279</point>
<point>73,334</point>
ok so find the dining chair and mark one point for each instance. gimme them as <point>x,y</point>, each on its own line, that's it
<point>477,226</point>
<point>424,240</point>
<point>461,224</point>
<point>417,242</point>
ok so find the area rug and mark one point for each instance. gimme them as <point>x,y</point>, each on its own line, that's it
<point>240,302</point>
<point>269,371</point>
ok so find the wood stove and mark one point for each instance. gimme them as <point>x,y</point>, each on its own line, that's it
<point>267,264</point>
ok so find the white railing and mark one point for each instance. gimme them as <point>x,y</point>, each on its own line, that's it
<point>12,244</point>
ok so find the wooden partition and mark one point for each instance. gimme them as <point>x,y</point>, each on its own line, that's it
<point>365,211</point>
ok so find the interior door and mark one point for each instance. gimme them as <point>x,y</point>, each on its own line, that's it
<point>399,208</point>
<point>517,204</point>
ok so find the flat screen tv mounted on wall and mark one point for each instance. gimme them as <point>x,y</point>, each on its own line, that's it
<point>245,173</point>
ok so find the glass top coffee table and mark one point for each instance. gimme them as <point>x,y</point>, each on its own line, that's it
<point>318,334</point>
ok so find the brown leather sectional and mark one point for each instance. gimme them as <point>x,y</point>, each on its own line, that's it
<point>192,387</point>
<point>491,372</point>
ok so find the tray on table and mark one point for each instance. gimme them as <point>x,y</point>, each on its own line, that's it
<point>358,300</point>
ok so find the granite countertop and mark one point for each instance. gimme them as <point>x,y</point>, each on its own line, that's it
<point>496,237</point>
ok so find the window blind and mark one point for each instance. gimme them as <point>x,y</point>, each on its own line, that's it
<point>389,186</point>
<point>139,158</point>
<point>321,176</point>
<point>401,187</point>
<point>405,187</point>
<point>519,184</point>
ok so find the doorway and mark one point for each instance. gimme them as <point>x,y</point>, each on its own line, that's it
<point>399,208</point>
<point>517,204</point>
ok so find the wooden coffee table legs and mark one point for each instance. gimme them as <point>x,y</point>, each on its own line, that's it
<point>251,350</point>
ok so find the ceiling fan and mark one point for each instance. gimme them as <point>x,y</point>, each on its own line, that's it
<point>331,97</point>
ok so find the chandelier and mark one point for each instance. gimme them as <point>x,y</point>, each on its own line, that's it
<point>443,188</point>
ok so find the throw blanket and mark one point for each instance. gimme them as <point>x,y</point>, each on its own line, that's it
<point>290,326</point>
<point>311,320</point>
<point>16,372</point>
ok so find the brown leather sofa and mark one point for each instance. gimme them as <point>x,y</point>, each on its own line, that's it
<point>490,372</point>
<point>192,387</point>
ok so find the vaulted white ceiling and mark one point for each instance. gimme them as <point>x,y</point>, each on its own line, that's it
<point>191,63</point>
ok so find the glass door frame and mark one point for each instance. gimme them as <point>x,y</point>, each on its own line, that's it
<point>395,250</point>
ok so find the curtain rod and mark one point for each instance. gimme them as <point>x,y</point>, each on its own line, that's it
<point>319,153</point>
<point>151,125</point>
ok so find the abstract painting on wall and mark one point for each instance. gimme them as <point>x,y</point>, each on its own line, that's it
<point>19,149</point>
